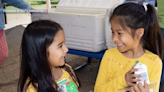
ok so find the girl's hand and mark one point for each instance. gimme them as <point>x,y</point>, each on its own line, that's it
<point>140,88</point>
<point>130,77</point>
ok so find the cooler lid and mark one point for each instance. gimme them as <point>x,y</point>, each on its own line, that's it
<point>91,4</point>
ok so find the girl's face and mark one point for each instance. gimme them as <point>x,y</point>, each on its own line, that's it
<point>123,38</point>
<point>57,50</point>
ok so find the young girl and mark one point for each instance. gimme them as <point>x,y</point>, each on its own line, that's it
<point>136,33</point>
<point>43,53</point>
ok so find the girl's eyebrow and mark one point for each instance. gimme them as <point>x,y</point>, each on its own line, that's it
<point>60,43</point>
<point>117,29</point>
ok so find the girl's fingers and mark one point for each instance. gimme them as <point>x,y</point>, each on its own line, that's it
<point>146,85</point>
<point>135,80</point>
<point>132,90</point>
<point>136,89</point>
<point>140,87</point>
<point>135,75</point>
<point>133,70</point>
<point>131,84</point>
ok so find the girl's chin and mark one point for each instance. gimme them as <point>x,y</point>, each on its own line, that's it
<point>63,63</point>
<point>121,50</point>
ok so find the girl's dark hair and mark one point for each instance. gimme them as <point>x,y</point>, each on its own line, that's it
<point>37,37</point>
<point>135,16</point>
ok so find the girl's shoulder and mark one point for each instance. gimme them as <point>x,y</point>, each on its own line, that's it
<point>112,50</point>
<point>150,55</point>
<point>153,58</point>
<point>68,65</point>
<point>30,87</point>
<point>68,68</point>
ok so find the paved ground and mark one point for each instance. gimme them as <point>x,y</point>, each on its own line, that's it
<point>9,71</point>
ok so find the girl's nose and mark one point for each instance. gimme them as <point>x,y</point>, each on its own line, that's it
<point>65,49</point>
<point>114,38</point>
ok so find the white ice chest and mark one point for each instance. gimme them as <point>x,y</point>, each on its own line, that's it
<point>85,23</point>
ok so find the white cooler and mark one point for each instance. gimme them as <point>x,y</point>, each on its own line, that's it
<point>84,23</point>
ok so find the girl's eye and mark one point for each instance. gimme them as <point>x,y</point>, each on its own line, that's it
<point>60,46</point>
<point>112,32</point>
<point>119,33</point>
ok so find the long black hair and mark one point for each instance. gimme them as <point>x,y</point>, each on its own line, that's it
<point>37,37</point>
<point>135,16</point>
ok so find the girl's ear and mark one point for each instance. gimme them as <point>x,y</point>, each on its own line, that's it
<point>139,32</point>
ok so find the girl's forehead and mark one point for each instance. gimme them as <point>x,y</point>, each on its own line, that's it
<point>118,22</point>
<point>115,18</point>
<point>59,36</point>
<point>115,24</point>
<point>115,21</point>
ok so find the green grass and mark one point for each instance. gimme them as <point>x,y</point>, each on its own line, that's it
<point>36,4</point>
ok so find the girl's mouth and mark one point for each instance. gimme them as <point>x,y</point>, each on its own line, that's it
<point>62,58</point>
<point>120,45</point>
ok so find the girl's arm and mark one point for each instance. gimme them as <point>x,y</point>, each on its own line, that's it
<point>17,3</point>
<point>104,82</point>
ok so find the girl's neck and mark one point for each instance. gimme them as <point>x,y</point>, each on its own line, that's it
<point>56,72</point>
<point>134,53</point>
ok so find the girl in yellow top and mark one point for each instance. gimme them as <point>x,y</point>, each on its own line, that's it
<point>136,33</point>
<point>43,53</point>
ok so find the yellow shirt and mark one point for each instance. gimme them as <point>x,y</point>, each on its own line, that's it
<point>114,66</point>
<point>65,75</point>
